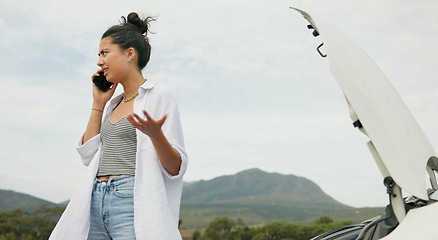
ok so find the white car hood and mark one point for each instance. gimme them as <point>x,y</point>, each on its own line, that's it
<point>391,127</point>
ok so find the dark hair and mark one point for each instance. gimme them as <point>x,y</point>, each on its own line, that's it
<point>132,32</point>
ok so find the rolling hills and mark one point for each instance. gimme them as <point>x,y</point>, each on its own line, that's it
<point>255,196</point>
<point>11,200</point>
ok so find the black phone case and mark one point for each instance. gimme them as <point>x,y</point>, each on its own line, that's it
<point>101,82</point>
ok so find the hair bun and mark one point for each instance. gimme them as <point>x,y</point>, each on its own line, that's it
<point>138,23</point>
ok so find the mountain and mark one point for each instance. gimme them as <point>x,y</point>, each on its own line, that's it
<point>10,200</point>
<point>260,197</point>
<point>255,185</point>
<point>255,196</point>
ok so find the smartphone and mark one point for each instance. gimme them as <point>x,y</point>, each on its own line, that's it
<point>101,82</point>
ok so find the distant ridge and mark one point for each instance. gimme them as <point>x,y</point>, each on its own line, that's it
<point>260,197</point>
<point>10,200</point>
<point>255,184</point>
<point>255,196</point>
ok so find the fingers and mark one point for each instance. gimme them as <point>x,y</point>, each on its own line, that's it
<point>163,119</point>
<point>138,121</point>
<point>96,74</point>
<point>138,118</point>
<point>148,117</point>
<point>113,88</point>
<point>132,118</point>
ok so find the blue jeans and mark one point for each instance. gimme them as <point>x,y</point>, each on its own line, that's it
<point>112,209</point>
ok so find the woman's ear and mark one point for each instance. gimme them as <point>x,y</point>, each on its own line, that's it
<point>130,54</point>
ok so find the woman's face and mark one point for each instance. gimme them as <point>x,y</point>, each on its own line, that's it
<point>112,60</point>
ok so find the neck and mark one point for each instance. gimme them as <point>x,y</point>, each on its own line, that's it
<point>133,83</point>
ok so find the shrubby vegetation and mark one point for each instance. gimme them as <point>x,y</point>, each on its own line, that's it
<point>224,228</point>
<point>23,225</point>
<point>37,225</point>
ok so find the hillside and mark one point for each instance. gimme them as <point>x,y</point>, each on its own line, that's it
<point>255,185</point>
<point>10,200</point>
<point>255,196</point>
<point>259,197</point>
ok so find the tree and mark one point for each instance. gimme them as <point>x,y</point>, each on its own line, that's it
<point>277,231</point>
<point>196,235</point>
<point>324,220</point>
<point>219,228</point>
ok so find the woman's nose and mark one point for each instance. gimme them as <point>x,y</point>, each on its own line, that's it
<point>100,62</point>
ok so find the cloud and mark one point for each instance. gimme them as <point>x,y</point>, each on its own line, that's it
<point>252,90</point>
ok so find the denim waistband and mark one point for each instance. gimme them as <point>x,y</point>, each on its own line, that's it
<point>114,181</point>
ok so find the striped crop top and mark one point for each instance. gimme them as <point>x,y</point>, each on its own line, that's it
<point>119,147</point>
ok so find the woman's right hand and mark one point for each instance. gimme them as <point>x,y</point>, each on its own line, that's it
<point>100,98</point>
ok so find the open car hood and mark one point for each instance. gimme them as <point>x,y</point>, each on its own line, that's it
<point>398,139</point>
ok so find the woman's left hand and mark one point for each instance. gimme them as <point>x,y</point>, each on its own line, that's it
<point>168,155</point>
<point>148,126</point>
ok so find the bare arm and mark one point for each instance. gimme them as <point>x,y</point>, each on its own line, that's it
<point>94,123</point>
<point>169,156</point>
<point>99,101</point>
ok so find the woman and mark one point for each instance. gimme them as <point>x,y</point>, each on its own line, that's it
<point>134,149</point>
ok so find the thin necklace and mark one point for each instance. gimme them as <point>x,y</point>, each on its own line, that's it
<point>133,96</point>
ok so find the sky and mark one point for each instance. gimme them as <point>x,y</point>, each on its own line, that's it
<point>251,88</point>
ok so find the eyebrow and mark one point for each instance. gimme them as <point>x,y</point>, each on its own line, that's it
<point>102,51</point>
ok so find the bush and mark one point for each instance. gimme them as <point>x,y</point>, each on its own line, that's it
<point>224,228</point>
<point>22,225</point>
